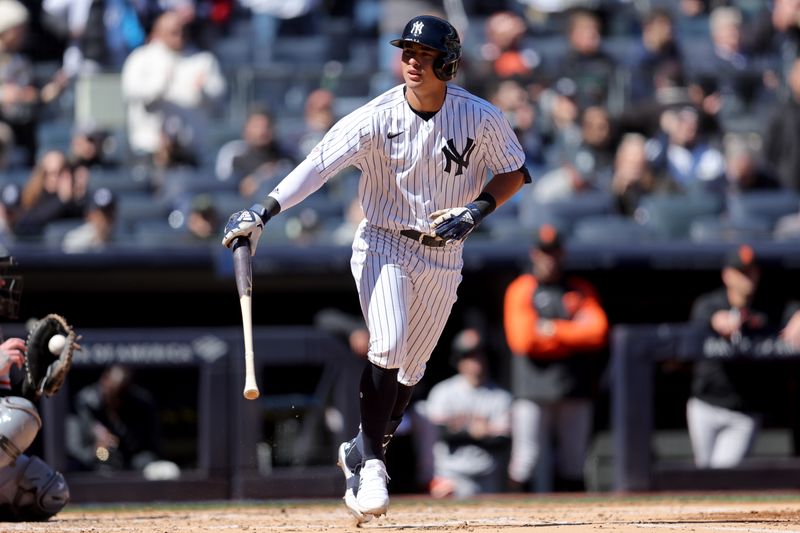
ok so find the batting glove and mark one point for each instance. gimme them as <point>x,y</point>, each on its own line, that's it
<point>456,223</point>
<point>248,223</point>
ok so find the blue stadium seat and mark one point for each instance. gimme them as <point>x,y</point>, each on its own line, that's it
<point>609,229</point>
<point>136,206</point>
<point>565,213</point>
<point>117,179</point>
<point>669,216</point>
<point>768,205</point>
<point>716,228</point>
<point>54,232</point>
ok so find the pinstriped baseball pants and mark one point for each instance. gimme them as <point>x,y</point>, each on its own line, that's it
<point>406,291</point>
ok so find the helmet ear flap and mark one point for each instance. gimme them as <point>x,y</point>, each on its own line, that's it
<point>445,70</point>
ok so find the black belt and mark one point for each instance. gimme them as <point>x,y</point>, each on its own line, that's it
<point>423,238</point>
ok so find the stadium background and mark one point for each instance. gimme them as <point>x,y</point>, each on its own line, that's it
<point>155,281</point>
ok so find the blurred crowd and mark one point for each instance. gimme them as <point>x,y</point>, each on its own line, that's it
<point>641,119</point>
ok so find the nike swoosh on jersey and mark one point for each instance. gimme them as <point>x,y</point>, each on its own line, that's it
<point>393,135</point>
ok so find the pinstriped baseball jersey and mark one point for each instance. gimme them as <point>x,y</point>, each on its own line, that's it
<point>411,167</point>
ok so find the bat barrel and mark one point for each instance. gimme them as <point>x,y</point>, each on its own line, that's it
<point>243,272</point>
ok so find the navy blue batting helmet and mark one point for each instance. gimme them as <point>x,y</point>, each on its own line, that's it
<point>438,34</point>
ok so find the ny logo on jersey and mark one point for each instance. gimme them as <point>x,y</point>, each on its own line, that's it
<point>452,155</point>
<point>416,28</point>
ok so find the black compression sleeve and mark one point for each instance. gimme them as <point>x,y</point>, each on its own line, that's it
<point>272,206</point>
<point>268,209</point>
<point>485,203</point>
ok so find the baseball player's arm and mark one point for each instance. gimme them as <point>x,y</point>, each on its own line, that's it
<point>520,321</point>
<point>293,189</point>
<point>456,223</point>
<point>503,186</point>
<point>588,328</point>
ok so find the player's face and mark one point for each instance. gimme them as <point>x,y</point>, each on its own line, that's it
<point>418,64</point>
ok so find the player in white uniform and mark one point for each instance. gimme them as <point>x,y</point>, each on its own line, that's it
<point>425,150</point>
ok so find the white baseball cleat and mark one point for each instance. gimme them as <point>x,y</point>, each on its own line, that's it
<point>373,496</point>
<point>347,462</point>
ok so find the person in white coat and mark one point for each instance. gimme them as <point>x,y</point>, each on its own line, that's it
<point>170,90</point>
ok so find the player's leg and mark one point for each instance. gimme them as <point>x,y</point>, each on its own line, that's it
<point>529,435</point>
<point>703,425</point>
<point>573,426</point>
<point>735,439</point>
<point>435,276</point>
<point>383,287</point>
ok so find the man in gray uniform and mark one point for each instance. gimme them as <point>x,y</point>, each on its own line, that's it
<point>30,490</point>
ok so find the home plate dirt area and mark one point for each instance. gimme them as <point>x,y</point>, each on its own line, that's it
<point>716,512</point>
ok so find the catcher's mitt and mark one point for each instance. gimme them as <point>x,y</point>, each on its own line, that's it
<point>45,371</point>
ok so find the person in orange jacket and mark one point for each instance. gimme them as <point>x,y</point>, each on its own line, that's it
<point>557,331</point>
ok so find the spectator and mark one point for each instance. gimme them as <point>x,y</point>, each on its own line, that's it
<point>685,153</point>
<point>101,33</point>
<point>99,225</point>
<point>744,170</point>
<point>115,425</point>
<point>6,146</point>
<point>671,91</point>
<point>52,192</point>
<point>511,97</point>
<point>88,147</point>
<point>587,165</point>
<point>658,47</point>
<point>19,96</point>
<point>774,31</point>
<point>556,329</point>
<point>559,114</point>
<point>169,90</point>
<point>586,63</point>
<point>504,54</point>
<point>633,176</point>
<point>318,117</point>
<point>473,416</point>
<point>203,219</point>
<point>782,133</point>
<point>727,401</point>
<point>741,81</point>
<point>10,209</point>
<point>255,159</point>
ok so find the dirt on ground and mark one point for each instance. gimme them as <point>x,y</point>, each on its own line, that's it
<point>698,513</point>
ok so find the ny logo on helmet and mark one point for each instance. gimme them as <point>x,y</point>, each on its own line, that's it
<point>416,29</point>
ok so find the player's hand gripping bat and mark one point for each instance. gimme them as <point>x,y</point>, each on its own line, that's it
<point>243,271</point>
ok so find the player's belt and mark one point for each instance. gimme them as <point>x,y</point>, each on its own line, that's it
<point>422,238</point>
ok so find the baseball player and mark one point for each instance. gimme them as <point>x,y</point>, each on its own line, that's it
<point>424,149</point>
<point>30,490</point>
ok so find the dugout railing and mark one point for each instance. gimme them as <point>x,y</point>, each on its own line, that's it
<point>218,438</point>
<point>637,464</point>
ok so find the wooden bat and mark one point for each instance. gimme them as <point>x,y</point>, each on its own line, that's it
<point>243,271</point>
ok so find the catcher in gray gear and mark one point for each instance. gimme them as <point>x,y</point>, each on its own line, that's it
<point>30,490</point>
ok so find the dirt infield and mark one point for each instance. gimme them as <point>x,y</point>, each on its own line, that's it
<point>697,513</point>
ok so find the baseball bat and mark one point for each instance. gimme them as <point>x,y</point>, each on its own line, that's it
<point>243,271</point>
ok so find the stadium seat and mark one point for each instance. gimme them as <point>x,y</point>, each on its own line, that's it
<point>565,213</point>
<point>136,206</point>
<point>716,228</point>
<point>669,216</point>
<point>117,179</point>
<point>609,229</point>
<point>768,205</point>
<point>54,232</point>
